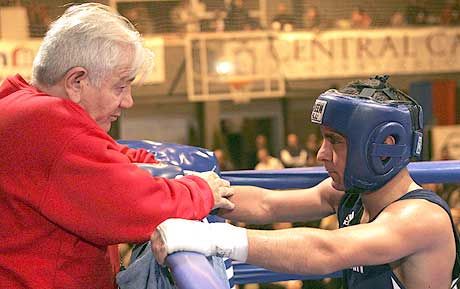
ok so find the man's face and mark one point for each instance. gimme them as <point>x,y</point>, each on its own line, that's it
<point>261,141</point>
<point>292,140</point>
<point>104,103</point>
<point>333,153</point>
<point>262,155</point>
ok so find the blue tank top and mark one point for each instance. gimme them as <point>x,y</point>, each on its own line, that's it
<point>381,276</point>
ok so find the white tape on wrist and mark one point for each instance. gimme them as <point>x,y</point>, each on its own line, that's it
<point>230,241</point>
<point>218,239</point>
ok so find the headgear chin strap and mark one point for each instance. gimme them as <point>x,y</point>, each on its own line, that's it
<point>366,123</point>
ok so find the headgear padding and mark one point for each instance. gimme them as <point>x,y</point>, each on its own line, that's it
<point>366,123</point>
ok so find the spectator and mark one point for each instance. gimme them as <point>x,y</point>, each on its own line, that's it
<point>450,14</point>
<point>219,23</point>
<point>293,156</point>
<point>267,162</point>
<point>312,19</point>
<point>283,21</point>
<point>222,158</point>
<point>7,3</point>
<point>397,19</point>
<point>187,15</point>
<point>416,14</point>
<point>238,17</point>
<point>360,19</point>
<point>260,142</point>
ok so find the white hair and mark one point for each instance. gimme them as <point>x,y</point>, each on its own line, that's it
<point>94,37</point>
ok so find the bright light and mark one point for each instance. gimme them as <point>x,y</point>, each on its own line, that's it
<point>224,67</point>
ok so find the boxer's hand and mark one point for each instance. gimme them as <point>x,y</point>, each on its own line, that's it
<point>220,188</point>
<point>218,239</point>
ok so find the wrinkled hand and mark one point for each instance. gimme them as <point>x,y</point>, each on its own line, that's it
<point>220,188</point>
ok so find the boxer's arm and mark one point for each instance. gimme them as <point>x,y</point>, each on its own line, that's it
<point>316,251</point>
<point>398,232</point>
<point>258,205</point>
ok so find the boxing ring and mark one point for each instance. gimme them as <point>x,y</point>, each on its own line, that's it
<point>422,172</point>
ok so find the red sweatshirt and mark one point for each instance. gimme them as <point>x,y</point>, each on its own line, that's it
<point>68,190</point>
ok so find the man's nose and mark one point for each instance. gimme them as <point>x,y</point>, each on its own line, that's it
<point>324,152</point>
<point>127,100</point>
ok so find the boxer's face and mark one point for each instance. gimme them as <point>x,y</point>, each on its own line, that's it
<point>105,103</point>
<point>333,153</point>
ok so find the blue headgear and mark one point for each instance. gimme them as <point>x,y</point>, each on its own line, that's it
<point>366,123</point>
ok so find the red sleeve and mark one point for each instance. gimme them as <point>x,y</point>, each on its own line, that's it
<point>95,192</point>
<point>137,155</point>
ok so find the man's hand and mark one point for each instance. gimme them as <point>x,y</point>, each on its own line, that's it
<point>220,188</point>
<point>218,239</point>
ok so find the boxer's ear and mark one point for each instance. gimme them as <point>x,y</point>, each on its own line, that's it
<point>73,83</point>
<point>390,140</point>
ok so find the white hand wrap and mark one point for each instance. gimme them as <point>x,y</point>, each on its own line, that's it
<point>219,239</point>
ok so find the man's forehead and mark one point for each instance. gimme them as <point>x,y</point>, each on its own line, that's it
<point>123,74</point>
<point>326,131</point>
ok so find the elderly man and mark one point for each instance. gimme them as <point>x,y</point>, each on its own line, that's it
<point>67,190</point>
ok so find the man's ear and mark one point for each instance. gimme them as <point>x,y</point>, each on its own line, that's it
<point>390,140</point>
<point>73,83</point>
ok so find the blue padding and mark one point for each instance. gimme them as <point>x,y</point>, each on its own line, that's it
<point>435,172</point>
<point>245,273</point>
<point>193,271</point>
<point>187,157</point>
<point>278,179</point>
<point>422,172</point>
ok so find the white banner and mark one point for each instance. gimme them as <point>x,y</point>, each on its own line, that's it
<point>17,57</point>
<point>350,53</point>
